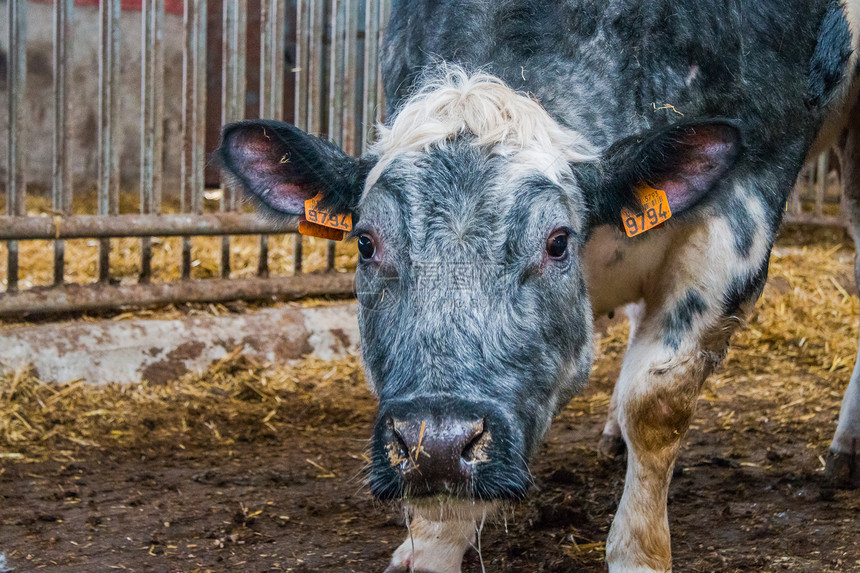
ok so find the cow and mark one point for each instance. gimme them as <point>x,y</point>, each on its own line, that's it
<point>544,162</point>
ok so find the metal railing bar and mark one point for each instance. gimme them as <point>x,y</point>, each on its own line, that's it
<point>108,180</point>
<point>812,219</point>
<point>146,135</point>
<point>794,204</point>
<point>302,75</point>
<point>821,183</point>
<point>99,297</point>
<point>200,22</point>
<point>384,14</point>
<point>267,57</point>
<point>61,183</point>
<point>350,80</point>
<point>279,17</point>
<point>186,167</point>
<point>336,89</point>
<point>16,78</point>
<point>316,57</point>
<point>371,57</point>
<point>228,93</point>
<point>132,225</point>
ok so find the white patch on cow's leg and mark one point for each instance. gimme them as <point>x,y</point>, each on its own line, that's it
<point>843,463</point>
<point>433,546</point>
<point>653,416</point>
<point>692,306</point>
<point>611,443</point>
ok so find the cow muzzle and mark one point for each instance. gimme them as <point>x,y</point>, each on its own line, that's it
<point>442,446</point>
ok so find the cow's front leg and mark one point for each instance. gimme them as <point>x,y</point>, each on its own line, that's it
<point>433,546</point>
<point>843,463</point>
<point>680,339</point>
<point>611,443</point>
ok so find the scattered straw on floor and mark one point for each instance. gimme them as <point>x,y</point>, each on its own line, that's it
<point>235,399</point>
<point>792,361</point>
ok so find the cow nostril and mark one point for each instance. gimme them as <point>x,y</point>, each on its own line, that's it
<point>396,448</point>
<point>476,449</point>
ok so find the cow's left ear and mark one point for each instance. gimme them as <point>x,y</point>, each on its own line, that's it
<point>282,166</point>
<point>685,160</point>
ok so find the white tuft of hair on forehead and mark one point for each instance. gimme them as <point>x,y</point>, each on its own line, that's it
<point>452,102</point>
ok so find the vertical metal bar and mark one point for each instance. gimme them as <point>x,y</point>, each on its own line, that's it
<point>228,73</point>
<point>271,86</point>
<point>241,77</point>
<point>794,201</point>
<point>16,74</point>
<point>302,70</point>
<point>267,57</point>
<point>384,14</point>
<point>302,65</point>
<point>233,99</point>
<point>337,40</point>
<point>61,188</point>
<point>151,127</point>
<point>193,117</point>
<point>316,57</point>
<point>279,18</point>
<point>108,179</point>
<point>202,19</point>
<point>371,58</point>
<point>186,167</point>
<point>147,36</point>
<point>350,79</point>
<point>337,88</point>
<point>821,187</point>
<point>151,200</point>
<point>266,53</point>
<point>158,101</point>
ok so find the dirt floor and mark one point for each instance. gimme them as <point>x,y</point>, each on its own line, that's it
<point>256,468</point>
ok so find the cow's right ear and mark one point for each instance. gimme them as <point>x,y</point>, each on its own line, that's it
<point>282,166</point>
<point>685,160</point>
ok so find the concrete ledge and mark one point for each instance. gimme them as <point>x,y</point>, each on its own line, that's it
<point>161,350</point>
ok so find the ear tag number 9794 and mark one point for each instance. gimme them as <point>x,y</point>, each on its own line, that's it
<point>654,211</point>
<point>319,222</point>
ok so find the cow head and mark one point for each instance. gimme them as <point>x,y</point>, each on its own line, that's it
<point>471,212</point>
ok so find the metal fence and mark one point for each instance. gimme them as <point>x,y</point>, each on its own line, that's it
<point>817,196</point>
<point>336,88</point>
<point>334,96</point>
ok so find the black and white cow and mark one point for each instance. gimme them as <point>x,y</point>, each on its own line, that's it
<point>489,223</point>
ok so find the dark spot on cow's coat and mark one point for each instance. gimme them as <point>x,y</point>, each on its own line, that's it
<point>742,225</point>
<point>745,289</point>
<point>680,319</point>
<point>830,57</point>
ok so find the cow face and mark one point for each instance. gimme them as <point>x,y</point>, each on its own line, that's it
<point>475,320</point>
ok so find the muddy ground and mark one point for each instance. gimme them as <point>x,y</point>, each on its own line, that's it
<point>255,468</point>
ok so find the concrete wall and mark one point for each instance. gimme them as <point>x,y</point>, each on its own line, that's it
<point>83,96</point>
<point>158,351</point>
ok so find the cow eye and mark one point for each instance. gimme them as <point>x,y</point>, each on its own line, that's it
<point>556,245</point>
<point>366,248</point>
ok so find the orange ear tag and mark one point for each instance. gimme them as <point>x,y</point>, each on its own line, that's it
<point>655,211</point>
<point>322,223</point>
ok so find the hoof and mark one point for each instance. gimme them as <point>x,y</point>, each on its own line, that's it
<point>612,447</point>
<point>842,470</point>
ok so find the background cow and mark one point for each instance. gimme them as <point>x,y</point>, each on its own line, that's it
<point>521,131</point>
